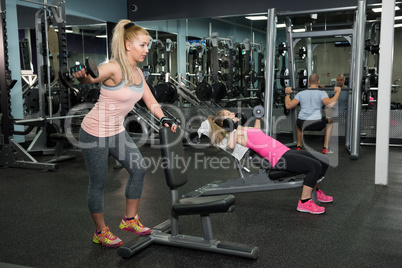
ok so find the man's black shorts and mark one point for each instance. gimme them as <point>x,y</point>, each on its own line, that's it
<point>315,125</point>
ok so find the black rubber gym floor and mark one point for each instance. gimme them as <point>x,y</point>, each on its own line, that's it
<point>45,221</point>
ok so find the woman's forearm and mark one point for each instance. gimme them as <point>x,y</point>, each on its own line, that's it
<point>257,123</point>
<point>232,139</point>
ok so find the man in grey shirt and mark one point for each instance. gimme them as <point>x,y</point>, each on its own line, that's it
<point>310,116</point>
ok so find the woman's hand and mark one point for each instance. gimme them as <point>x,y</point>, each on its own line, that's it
<point>168,122</point>
<point>173,128</point>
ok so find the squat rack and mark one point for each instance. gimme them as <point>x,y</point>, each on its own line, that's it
<point>355,36</point>
<point>13,154</point>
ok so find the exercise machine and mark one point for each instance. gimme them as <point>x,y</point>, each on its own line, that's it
<point>172,149</point>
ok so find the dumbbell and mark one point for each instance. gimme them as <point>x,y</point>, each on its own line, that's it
<point>229,125</point>
<point>258,111</point>
<point>242,117</point>
<point>66,77</point>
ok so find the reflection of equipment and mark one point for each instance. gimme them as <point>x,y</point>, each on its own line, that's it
<point>166,93</point>
<point>282,49</point>
<point>303,79</point>
<point>302,53</point>
<point>215,91</point>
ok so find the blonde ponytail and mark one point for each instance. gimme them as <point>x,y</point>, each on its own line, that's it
<point>216,132</point>
<point>118,47</point>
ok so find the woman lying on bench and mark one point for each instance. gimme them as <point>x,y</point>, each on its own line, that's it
<point>311,163</point>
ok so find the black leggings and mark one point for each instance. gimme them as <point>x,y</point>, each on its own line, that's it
<point>311,163</point>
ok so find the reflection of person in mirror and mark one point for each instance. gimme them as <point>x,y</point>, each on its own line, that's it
<point>342,103</point>
<point>103,133</point>
<point>310,116</point>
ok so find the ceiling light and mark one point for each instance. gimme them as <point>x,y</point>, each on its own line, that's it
<point>257,18</point>
<point>398,25</point>
<point>102,36</point>
<point>301,30</point>
<point>398,17</point>
<point>67,31</point>
<point>379,9</point>
<point>281,25</point>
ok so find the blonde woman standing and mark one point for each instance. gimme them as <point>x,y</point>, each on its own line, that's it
<point>102,131</point>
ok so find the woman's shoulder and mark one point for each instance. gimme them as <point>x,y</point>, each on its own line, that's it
<point>111,64</point>
<point>113,71</point>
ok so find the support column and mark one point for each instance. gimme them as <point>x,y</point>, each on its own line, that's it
<point>357,81</point>
<point>14,66</point>
<point>309,48</point>
<point>384,92</point>
<point>181,47</point>
<point>270,71</point>
<point>291,68</point>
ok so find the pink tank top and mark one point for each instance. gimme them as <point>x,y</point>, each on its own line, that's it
<point>264,145</point>
<point>106,118</point>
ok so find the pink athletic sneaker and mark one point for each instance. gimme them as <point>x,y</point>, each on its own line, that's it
<point>310,207</point>
<point>324,198</point>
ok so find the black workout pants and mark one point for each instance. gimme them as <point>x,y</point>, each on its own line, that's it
<point>311,163</point>
<point>314,125</point>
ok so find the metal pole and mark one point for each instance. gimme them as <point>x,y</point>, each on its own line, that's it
<point>291,68</point>
<point>384,95</point>
<point>42,4</point>
<point>324,10</point>
<point>269,71</point>
<point>48,82</point>
<point>357,81</point>
<point>40,61</point>
<point>348,131</point>
<point>309,51</point>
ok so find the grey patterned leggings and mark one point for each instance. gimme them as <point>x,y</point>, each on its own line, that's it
<point>96,151</point>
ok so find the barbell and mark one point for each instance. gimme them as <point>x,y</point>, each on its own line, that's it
<point>365,95</point>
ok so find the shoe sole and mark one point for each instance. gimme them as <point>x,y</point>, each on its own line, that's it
<point>308,211</point>
<point>108,245</point>
<point>137,233</point>
<point>322,201</point>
